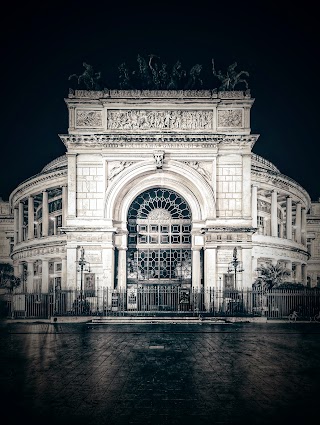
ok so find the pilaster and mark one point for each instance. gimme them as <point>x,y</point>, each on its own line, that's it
<point>45,276</point>
<point>274,215</point>
<point>298,222</point>
<point>254,207</point>
<point>45,214</point>
<point>72,185</point>
<point>30,217</point>
<point>289,218</point>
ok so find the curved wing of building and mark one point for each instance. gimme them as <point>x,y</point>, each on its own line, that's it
<point>159,188</point>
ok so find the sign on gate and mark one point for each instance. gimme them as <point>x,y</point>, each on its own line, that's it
<point>132,299</point>
<point>19,302</point>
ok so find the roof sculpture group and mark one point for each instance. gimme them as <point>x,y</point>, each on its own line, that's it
<point>152,74</point>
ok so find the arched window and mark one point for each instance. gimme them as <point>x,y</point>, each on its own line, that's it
<point>159,240</point>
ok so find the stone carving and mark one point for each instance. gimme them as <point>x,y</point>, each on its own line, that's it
<point>234,94</point>
<point>230,118</point>
<point>86,118</point>
<point>120,166</point>
<point>231,78</point>
<point>199,168</point>
<point>159,120</point>
<point>89,78</point>
<point>159,157</point>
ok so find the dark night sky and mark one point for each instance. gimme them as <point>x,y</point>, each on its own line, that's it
<point>43,44</point>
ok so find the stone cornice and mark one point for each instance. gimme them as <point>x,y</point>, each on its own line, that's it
<point>151,140</point>
<point>227,229</point>
<point>281,181</point>
<point>90,229</point>
<point>153,94</point>
<point>42,248</point>
<point>38,180</point>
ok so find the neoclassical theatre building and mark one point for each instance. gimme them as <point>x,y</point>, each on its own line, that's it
<point>158,187</point>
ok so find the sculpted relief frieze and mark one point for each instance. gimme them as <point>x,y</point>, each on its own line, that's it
<point>230,118</point>
<point>86,118</point>
<point>201,167</point>
<point>159,120</point>
<point>116,168</point>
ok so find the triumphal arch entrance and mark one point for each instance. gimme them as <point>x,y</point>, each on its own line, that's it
<point>159,189</point>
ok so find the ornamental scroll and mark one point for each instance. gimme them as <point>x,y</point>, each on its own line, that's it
<point>139,119</point>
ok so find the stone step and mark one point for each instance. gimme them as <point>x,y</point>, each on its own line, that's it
<point>153,320</point>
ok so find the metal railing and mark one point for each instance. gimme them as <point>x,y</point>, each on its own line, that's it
<point>171,300</point>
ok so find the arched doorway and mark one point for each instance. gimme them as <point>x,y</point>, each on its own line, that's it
<point>159,239</point>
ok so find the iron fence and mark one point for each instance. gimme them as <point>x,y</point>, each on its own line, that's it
<point>157,300</point>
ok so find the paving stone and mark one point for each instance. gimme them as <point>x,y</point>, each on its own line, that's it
<point>160,374</point>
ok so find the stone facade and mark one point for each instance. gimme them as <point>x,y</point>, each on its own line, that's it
<point>159,187</point>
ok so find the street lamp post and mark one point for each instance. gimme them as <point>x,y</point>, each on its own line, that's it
<point>236,266</point>
<point>83,265</point>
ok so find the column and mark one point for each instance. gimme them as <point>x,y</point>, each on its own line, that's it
<point>45,276</point>
<point>30,273</point>
<point>298,272</point>
<point>254,266</point>
<point>289,267</point>
<point>122,269</point>
<point>298,222</point>
<point>64,274</point>
<point>210,279</point>
<point>304,274</point>
<point>108,267</point>
<point>64,204</point>
<point>20,275</point>
<point>246,185</point>
<point>16,226</point>
<point>45,213</point>
<point>72,184</point>
<point>30,217</point>
<point>71,268</point>
<point>210,265</point>
<point>247,279</point>
<point>254,206</point>
<point>54,220</point>
<point>289,218</point>
<point>274,215</point>
<point>303,226</point>
<point>20,228</point>
<point>196,273</point>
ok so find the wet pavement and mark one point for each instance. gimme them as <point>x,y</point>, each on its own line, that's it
<point>242,373</point>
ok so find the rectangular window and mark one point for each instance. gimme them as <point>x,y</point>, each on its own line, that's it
<point>164,238</point>
<point>175,228</point>
<point>142,239</point>
<point>164,229</point>
<point>153,239</point>
<point>175,239</point>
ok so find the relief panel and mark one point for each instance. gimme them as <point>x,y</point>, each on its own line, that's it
<point>140,119</point>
